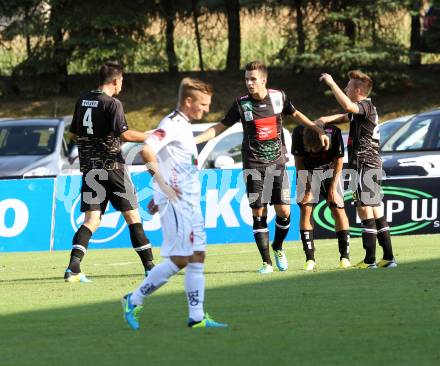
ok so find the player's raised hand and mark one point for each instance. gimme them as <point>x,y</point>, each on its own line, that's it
<point>326,78</point>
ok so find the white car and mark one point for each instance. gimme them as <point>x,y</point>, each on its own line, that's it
<point>222,152</point>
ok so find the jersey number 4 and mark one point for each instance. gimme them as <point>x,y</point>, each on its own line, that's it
<point>87,121</point>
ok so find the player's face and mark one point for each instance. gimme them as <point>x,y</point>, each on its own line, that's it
<point>255,81</point>
<point>351,91</point>
<point>198,105</point>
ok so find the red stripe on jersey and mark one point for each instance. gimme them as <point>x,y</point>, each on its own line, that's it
<point>266,128</point>
<point>160,134</point>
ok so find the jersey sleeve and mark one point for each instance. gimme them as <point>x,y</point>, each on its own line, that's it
<point>117,118</point>
<point>297,142</point>
<point>232,116</point>
<point>288,107</point>
<point>337,144</point>
<point>364,108</point>
<point>161,137</point>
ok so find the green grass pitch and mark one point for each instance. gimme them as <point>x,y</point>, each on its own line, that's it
<point>328,317</point>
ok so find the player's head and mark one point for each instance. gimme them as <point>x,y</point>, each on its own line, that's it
<point>194,98</point>
<point>311,140</point>
<point>359,85</point>
<point>110,75</point>
<point>255,77</point>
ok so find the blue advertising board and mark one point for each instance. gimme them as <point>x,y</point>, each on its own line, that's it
<point>228,218</point>
<point>26,214</point>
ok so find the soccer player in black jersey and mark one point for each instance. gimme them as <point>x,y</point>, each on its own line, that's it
<point>319,173</point>
<point>264,157</point>
<point>365,162</point>
<point>98,126</point>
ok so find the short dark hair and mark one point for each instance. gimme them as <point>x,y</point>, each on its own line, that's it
<point>257,65</point>
<point>110,71</point>
<point>362,81</point>
<point>311,138</point>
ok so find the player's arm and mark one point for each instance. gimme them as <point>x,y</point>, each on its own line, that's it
<point>72,136</point>
<point>134,136</point>
<point>211,132</point>
<point>335,118</point>
<point>305,121</point>
<point>302,176</point>
<point>340,96</point>
<point>334,196</point>
<point>152,165</point>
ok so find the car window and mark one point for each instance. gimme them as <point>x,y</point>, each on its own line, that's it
<point>387,130</point>
<point>27,140</point>
<point>414,135</point>
<point>230,145</point>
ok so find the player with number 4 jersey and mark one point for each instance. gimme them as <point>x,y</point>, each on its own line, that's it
<point>99,126</point>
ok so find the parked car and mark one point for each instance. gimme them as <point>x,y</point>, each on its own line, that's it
<point>223,151</point>
<point>414,149</point>
<point>34,148</point>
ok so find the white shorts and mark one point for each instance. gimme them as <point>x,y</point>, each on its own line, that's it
<point>183,229</point>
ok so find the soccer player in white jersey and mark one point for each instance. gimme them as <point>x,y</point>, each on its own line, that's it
<point>171,156</point>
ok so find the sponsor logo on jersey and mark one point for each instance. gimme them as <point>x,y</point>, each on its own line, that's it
<point>246,106</point>
<point>266,128</point>
<point>248,116</point>
<point>89,103</point>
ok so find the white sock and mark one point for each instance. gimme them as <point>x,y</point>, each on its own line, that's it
<point>157,277</point>
<point>195,290</point>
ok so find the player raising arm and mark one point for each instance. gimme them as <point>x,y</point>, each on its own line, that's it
<point>365,162</point>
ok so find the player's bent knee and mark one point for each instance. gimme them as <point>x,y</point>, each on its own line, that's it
<point>180,261</point>
<point>197,257</point>
<point>282,211</point>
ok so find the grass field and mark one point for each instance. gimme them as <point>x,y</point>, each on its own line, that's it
<point>328,317</point>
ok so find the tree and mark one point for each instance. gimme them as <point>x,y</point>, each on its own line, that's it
<point>169,13</point>
<point>195,12</point>
<point>234,37</point>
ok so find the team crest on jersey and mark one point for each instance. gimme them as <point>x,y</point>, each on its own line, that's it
<point>160,134</point>
<point>248,116</point>
<point>276,97</point>
<point>246,106</point>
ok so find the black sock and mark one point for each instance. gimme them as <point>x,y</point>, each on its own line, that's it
<point>369,234</point>
<point>141,245</point>
<point>261,235</point>
<point>80,243</point>
<point>282,225</point>
<point>384,237</point>
<point>343,243</point>
<point>308,244</point>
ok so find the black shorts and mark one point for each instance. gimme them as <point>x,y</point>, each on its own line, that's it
<point>99,186</point>
<point>320,191</point>
<point>267,185</point>
<point>368,187</point>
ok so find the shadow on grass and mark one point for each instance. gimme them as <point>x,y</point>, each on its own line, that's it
<point>330,318</point>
